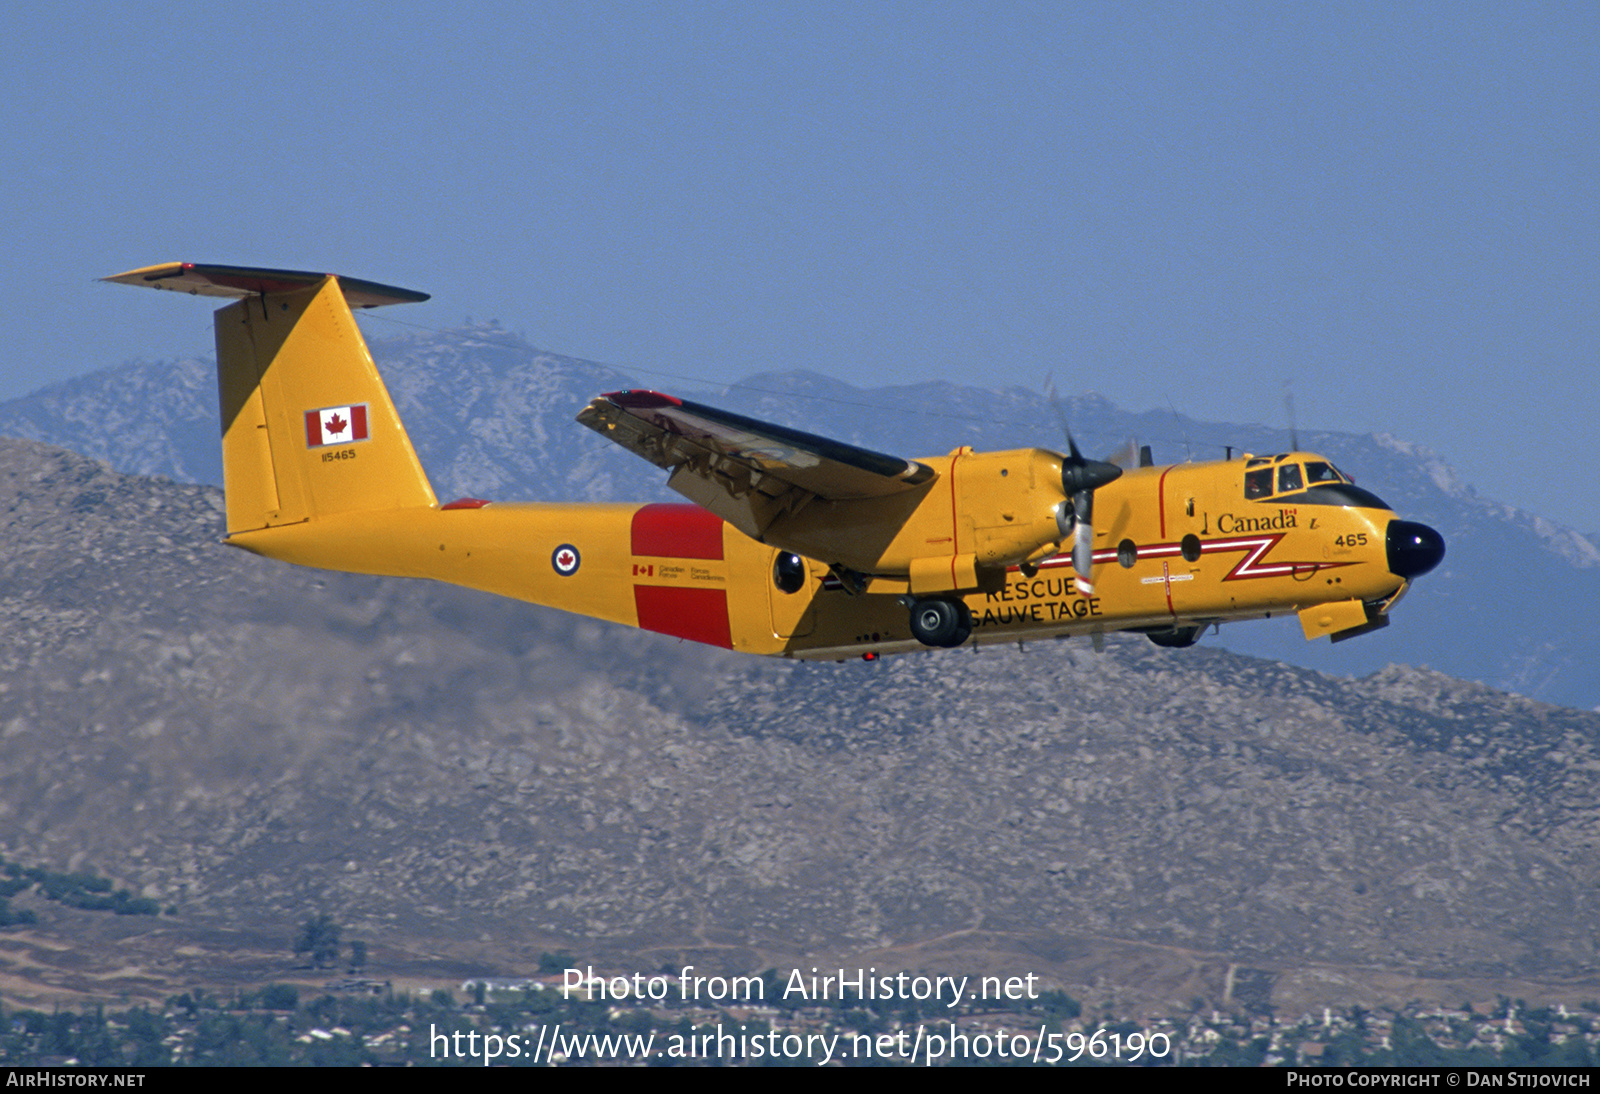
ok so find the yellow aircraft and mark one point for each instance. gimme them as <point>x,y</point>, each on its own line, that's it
<point>795,546</point>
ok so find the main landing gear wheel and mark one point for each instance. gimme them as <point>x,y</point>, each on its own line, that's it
<point>943,623</point>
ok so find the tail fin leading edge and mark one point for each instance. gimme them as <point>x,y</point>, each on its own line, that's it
<point>308,428</point>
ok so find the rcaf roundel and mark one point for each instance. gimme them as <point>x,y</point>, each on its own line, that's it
<point>336,425</point>
<point>565,560</point>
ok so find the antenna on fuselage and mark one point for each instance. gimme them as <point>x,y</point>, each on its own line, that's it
<point>1188,441</point>
<point>1288,407</point>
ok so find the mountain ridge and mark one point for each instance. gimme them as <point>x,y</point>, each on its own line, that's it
<point>454,774</point>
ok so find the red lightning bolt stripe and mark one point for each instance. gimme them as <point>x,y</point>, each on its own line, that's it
<point>1253,565</point>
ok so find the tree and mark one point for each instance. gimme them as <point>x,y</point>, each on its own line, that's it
<point>319,937</point>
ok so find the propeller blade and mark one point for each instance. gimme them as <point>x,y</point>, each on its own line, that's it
<point>1080,478</point>
<point>1083,540</point>
<point>1054,398</point>
<point>1126,455</point>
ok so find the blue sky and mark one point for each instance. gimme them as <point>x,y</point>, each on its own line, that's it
<point>1393,207</point>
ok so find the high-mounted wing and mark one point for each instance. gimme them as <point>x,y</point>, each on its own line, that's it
<point>747,472</point>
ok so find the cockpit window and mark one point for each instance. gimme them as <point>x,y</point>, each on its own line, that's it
<point>1308,482</point>
<point>1284,476</point>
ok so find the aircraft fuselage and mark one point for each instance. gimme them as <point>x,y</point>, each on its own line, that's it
<point>1177,548</point>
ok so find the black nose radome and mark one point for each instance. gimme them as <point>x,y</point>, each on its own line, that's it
<point>1414,549</point>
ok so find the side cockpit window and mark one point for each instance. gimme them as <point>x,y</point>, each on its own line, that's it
<point>1289,478</point>
<point>1258,484</point>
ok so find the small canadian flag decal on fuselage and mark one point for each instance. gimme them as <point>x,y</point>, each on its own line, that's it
<point>336,425</point>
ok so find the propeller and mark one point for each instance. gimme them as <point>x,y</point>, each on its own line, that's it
<point>1080,478</point>
<point>1126,455</point>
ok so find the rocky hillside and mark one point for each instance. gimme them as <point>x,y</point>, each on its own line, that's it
<point>250,743</point>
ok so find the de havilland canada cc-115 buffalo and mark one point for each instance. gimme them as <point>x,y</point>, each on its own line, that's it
<point>794,545</point>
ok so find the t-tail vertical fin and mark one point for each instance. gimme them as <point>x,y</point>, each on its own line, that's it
<point>308,428</point>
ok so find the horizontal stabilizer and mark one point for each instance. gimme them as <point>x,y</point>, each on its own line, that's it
<point>242,281</point>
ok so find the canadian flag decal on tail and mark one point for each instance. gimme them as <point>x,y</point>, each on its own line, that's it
<point>336,425</point>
